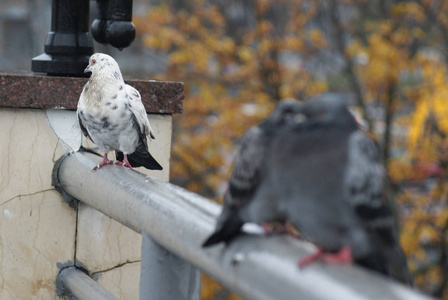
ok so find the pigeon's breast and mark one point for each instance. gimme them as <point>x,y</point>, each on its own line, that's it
<point>111,127</point>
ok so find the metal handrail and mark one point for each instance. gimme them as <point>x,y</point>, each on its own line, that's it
<point>81,285</point>
<point>253,266</point>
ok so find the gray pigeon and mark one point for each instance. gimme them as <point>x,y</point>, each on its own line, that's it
<point>112,115</point>
<point>326,178</point>
<point>248,171</point>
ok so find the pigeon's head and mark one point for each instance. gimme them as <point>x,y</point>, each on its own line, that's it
<point>285,112</point>
<point>326,108</point>
<point>100,63</point>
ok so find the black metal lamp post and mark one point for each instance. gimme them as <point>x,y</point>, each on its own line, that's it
<point>114,25</point>
<point>69,44</point>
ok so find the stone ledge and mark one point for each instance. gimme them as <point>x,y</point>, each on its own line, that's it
<point>32,90</point>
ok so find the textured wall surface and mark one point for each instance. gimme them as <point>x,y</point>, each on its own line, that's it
<point>40,232</point>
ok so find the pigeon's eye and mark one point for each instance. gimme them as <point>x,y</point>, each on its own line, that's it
<point>93,61</point>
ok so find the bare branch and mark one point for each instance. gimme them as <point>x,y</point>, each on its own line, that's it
<point>432,15</point>
<point>349,66</point>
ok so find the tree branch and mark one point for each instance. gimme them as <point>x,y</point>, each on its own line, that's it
<point>389,115</point>
<point>432,14</point>
<point>349,66</point>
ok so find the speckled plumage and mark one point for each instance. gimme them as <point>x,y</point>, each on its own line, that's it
<point>112,115</point>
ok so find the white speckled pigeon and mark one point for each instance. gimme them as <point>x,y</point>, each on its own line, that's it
<point>326,178</point>
<point>112,115</point>
<point>248,171</point>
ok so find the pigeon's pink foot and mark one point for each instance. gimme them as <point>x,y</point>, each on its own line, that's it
<point>344,256</point>
<point>311,258</point>
<point>126,162</point>
<point>104,162</point>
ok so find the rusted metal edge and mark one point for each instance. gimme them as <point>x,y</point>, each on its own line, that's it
<point>31,90</point>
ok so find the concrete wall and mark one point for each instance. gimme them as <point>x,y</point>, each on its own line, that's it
<point>40,232</point>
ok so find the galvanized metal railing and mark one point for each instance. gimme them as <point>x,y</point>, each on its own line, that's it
<point>174,222</point>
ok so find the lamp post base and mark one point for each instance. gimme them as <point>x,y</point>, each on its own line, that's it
<point>62,65</point>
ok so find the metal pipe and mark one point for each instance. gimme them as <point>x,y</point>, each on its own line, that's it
<point>256,267</point>
<point>78,284</point>
<point>164,275</point>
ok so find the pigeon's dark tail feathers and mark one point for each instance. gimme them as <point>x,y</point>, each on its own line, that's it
<point>398,266</point>
<point>140,157</point>
<point>225,231</point>
<point>374,261</point>
<point>393,266</point>
<point>390,260</point>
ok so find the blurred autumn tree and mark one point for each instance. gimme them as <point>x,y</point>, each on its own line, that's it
<point>238,58</point>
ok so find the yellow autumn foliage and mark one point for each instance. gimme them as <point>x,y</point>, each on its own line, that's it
<point>233,81</point>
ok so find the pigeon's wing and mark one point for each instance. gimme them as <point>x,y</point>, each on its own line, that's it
<point>141,155</point>
<point>365,188</point>
<point>247,167</point>
<point>243,183</point>
<point>83,127</point>
<point>138,110</point>
<point>365,181</point>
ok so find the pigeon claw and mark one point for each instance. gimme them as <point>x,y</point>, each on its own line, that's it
<point>343,256</point>
<point>101,164</point>
<point>127,164</point>
<point>104,162</point>
<point>124,163</point>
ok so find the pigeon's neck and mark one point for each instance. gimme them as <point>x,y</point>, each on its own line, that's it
<point>105,85</point>
<point>101,87</point>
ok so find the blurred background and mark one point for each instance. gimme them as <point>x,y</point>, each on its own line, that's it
<point>238,58</point>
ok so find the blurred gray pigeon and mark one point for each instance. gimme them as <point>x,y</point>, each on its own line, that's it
<point>112,115</point>
<point>326,178</point>
<point>248,171</point>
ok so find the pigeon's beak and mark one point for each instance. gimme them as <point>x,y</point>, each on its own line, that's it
<point>87,70</point>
